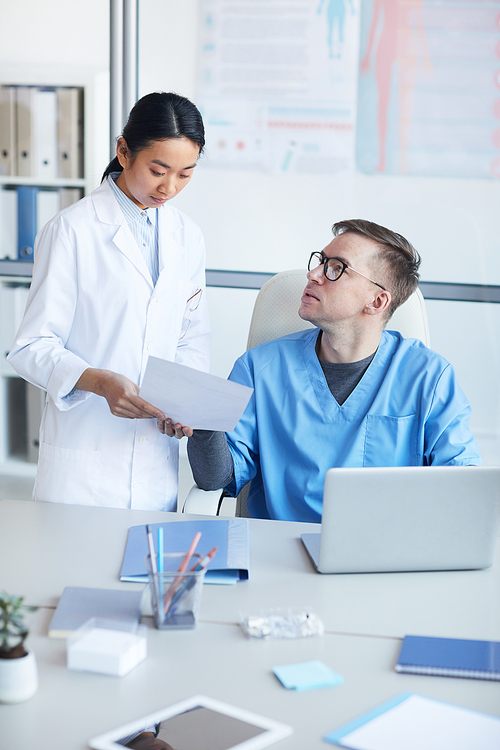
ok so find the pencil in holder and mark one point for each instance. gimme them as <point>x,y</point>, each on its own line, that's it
<point>175,596</point>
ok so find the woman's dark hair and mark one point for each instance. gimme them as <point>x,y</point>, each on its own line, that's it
<point>158,117</point>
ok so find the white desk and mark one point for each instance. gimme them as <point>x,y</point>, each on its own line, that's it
<point>217,660</point>
<point>46,547</point>
<point>68,545</point>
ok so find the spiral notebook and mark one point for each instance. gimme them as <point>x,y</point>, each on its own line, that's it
<point>450,657</point>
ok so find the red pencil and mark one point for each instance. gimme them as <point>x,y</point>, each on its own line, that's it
<point>178,580</point>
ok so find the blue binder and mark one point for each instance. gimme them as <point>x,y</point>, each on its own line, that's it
<point>26,221</point>
<point>230,536</point>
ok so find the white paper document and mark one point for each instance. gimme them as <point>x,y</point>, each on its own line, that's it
<point>194,398</point>
<point>414,722</point>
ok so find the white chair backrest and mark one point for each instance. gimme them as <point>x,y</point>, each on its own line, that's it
<point>276,314</point>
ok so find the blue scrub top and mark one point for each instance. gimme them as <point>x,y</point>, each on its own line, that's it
<point>407,410</point>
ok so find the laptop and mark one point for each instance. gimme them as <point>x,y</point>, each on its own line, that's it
<point>406,519</point>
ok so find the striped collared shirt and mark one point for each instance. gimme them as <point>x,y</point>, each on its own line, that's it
<point>143,223</point>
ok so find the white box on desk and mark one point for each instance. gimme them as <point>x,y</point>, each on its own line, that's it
<point>107,647</point>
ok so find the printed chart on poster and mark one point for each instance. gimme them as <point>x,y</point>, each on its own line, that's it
<point>278,84</point>
<point>429,88</point>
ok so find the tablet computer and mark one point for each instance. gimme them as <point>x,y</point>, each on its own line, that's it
<point>197,723</point>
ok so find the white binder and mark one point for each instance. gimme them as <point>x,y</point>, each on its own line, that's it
<point>7,131</point>
<point>8,224</point>
<point>36,114</point>
<point>25,145</point>
<point>45,133</point>
<point>35,403</point>
<point>70,132</point>
<point>48,204</point>
<point>68,196</point>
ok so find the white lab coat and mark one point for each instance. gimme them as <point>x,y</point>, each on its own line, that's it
<point>92,304</point>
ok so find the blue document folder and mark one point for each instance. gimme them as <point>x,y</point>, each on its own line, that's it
<point>230,536</point>
<point>26,221</point>
<point>450,657</point>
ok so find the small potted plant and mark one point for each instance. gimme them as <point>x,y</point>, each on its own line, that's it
<point>18,672</point>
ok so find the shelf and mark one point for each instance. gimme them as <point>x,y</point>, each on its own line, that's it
<point>43,129</point>
<point>59,182</point>
<point>12,268</point>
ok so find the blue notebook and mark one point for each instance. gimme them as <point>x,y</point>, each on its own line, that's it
<point>230,536</point>
<point>450,657</point>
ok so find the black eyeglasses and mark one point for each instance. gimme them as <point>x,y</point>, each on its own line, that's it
<point>333,268</point>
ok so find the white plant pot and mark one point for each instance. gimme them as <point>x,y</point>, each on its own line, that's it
<point>18,678</point>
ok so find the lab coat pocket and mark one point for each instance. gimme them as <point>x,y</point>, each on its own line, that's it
<point>67,475</point>
<point>187,302</point>
<point>391,441</point>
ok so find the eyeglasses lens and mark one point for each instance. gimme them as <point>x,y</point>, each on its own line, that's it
<point>333,268</point>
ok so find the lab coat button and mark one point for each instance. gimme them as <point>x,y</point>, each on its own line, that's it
<point>142,439</point>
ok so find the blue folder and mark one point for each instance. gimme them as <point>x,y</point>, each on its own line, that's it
<point>26,221</point>
<point>230,536</point>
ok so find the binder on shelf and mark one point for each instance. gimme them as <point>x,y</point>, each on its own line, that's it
<point>450,657</point>
<point>36,132</point>
<point>8,223</point>
<point>44,124</point>
<point>70,132</point>
<point>68,196</point>
<point>230,536</point>
<point>24,210</point>
<point>25,144</point>
<point>26,220</point>
<point>12,305</point>
<point>8,131</point>
<point>47,206</point>
<point>35,402</point>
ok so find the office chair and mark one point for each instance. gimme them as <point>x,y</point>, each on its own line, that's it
<point>275,314</point>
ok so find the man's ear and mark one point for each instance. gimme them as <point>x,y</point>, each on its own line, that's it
<point>379,304</point>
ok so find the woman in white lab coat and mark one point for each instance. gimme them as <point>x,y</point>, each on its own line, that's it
<point>118,276</point>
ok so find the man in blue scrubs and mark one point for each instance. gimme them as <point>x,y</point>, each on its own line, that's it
<point>346,393</point>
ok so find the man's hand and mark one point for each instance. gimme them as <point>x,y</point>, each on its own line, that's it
<point>120,393</point>
<point>173,430</point>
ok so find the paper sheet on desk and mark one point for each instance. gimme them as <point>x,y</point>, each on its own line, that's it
<point>194,398</point>
<point>414,722</point>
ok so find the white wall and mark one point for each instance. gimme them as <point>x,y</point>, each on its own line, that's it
<point>262,222</point>
<point>265,222</point>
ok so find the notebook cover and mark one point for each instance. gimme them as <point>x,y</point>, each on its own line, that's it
<point>450,657</point>
<point>230,536</point>
<point>78,604</point>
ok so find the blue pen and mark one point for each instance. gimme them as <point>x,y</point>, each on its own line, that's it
<point>160,568</point>
<point>160,549</point>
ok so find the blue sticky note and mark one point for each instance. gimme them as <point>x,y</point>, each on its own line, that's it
<point>307,675</point>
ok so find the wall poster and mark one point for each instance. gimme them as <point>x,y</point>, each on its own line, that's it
<point>398,87</point>
<point>278,84</point>
<point>429,88</point>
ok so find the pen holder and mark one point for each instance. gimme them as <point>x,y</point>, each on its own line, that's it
<point>175,596</point>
